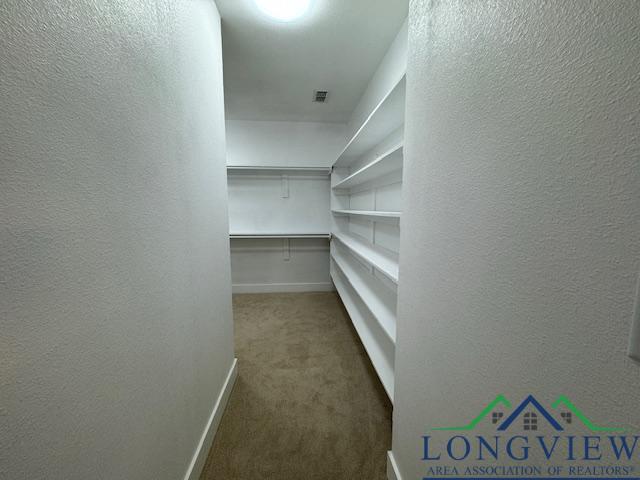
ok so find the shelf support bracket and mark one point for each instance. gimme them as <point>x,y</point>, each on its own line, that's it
<point>286,249</point>
<point>285,186</point>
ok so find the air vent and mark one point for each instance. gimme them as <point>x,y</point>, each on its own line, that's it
<point>320,96</point>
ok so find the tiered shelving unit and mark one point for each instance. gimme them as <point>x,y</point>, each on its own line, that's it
<point>366,190</point>
<point>386,117</point>
<point>388,162</point>
<point>380,259</point>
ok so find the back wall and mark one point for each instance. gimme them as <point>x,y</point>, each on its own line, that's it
<point>256,203</point>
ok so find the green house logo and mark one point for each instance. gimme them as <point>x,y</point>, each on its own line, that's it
<point>529,413</point>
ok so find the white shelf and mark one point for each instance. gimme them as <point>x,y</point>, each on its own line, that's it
<point>385,263</point>
<point>388,162</point>
<point>368,213</point>
<point>380,350</point>
<point>386,117</point>
<point>371,293</point>
<point>255,170</point>
<point>280,235</point>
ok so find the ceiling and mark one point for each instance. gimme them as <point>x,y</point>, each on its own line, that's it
<point>272,69</point>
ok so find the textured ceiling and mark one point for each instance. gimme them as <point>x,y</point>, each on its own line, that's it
<point>271,69</point>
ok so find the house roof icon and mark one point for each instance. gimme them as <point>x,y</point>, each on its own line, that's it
<point>531,402</point>
<point>498,407</point>
<point>563,401</point>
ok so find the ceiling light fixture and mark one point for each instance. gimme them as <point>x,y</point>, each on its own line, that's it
<point>284,10</point>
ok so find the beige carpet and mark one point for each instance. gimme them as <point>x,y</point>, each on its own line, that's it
<point>307,404</point>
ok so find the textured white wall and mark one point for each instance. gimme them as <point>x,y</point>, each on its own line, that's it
<point>521,228</point>
<point>115,304</point>
<point>300,144</point>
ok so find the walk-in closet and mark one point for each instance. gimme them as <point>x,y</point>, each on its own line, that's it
<point>317,206</point>
<point>319,239</point>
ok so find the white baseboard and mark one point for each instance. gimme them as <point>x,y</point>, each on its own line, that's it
<point>392,467</point>
<point>202,450</point>
<point>282,287</point>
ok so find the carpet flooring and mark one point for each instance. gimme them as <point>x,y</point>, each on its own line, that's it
<point>307,404</point>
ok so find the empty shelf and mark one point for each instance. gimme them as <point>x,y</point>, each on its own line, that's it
<point>376,299</point>
<point>280,235</point>
<point>248,170</point>
<point>388,162</point>
<point>368,213</point>
<point>380,350</point>
<point>386,117</point>
<point>386,263</point>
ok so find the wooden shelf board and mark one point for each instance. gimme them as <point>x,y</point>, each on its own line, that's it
<point>390,161</point>
<point>280,235</point>
<point>385,316</point>
<point>368,213</point>
<point>264,170</point>
<point>383,262</point>
<point>382,365</point>
<point>386,117</point>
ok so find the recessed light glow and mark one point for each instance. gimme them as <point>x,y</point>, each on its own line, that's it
<point>284,10</point>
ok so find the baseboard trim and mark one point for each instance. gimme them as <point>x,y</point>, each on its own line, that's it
<point>282,287</point>
<point>392,467</point>
<point>202,450</point>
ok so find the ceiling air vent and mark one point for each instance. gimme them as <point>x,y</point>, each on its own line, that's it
<point>320,96</point>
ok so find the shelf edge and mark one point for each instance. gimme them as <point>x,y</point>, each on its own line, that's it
<point>377,266</point>
<point>280,235</point>
<point>338,263</point>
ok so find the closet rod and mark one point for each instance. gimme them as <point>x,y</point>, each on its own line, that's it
<point>280,235</point>
<point>249,168</point>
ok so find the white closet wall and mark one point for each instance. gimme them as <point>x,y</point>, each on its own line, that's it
<point>279,201</point>
<point>366,194</point>
<point>521,235</point>
<point>115,298</point>
<point>296,144</point>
